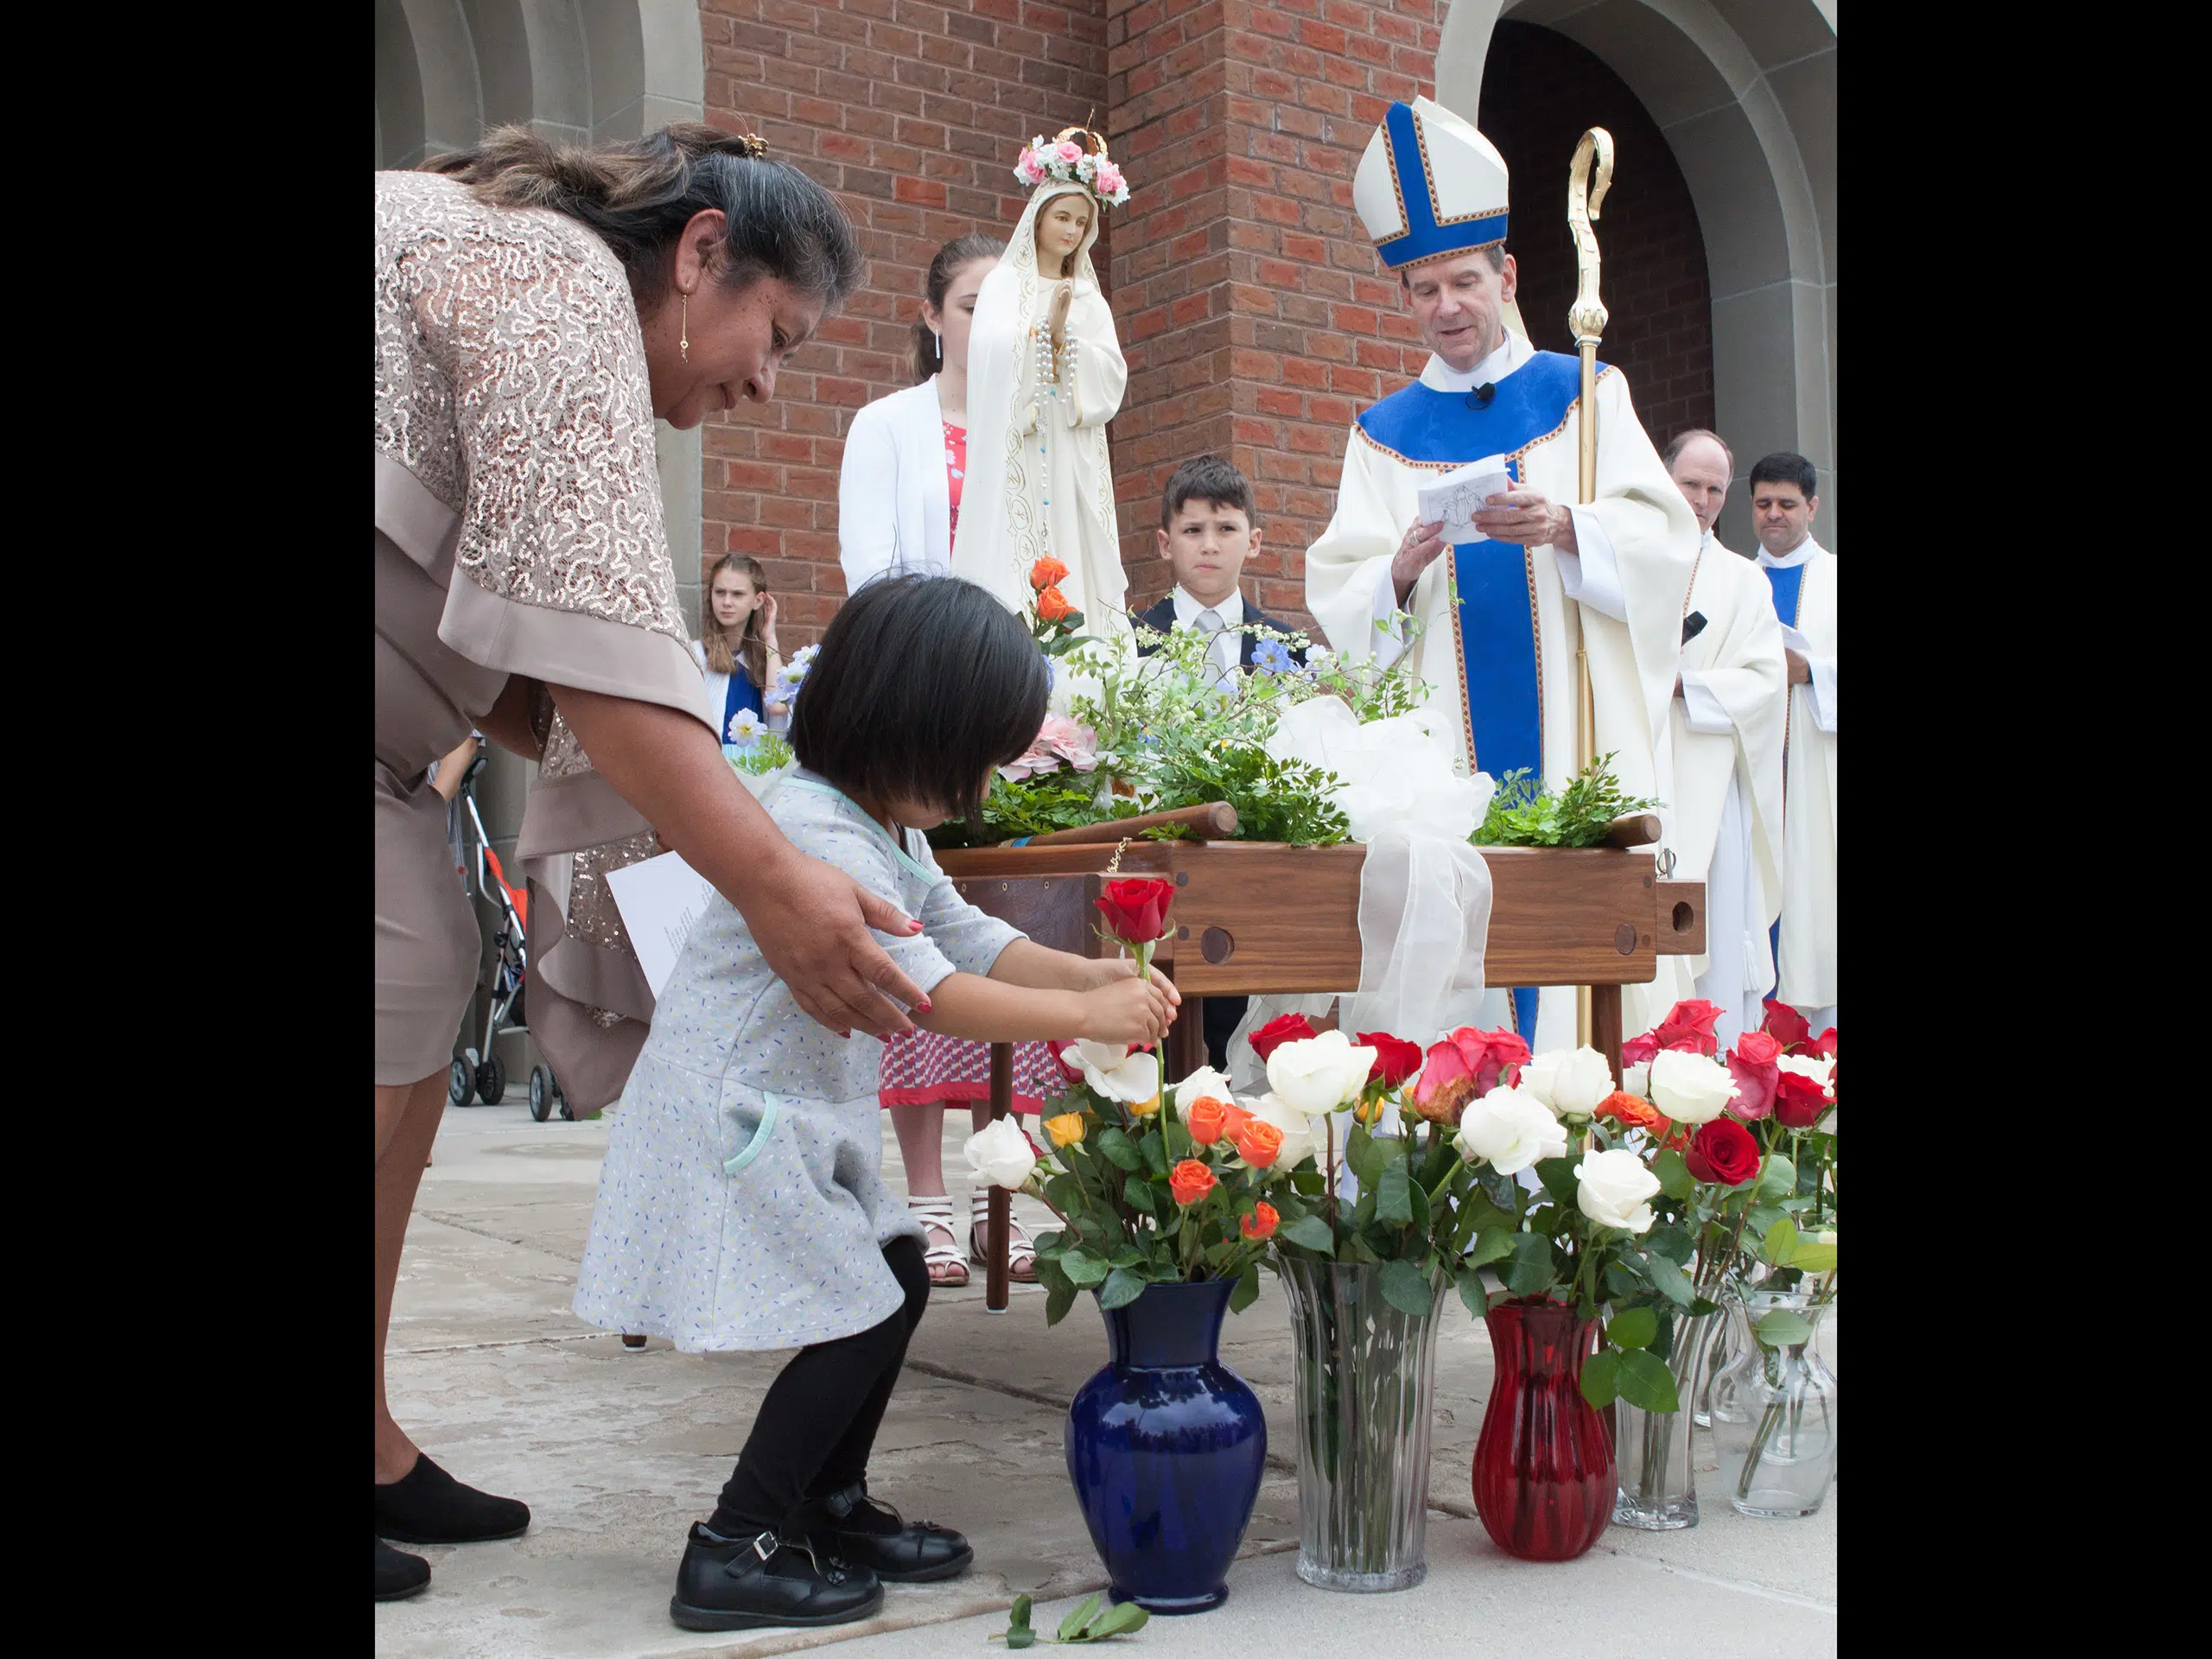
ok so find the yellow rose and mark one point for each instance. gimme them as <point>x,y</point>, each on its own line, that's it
<point>1146,1108</point>
<point>1065,1129</point>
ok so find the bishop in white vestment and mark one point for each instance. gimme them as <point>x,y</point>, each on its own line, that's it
<point>1499,616</point>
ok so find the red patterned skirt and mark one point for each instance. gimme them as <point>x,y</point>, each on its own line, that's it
<point>921,1068</point>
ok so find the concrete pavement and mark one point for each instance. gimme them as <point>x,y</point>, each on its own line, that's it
<point>617,1451</point>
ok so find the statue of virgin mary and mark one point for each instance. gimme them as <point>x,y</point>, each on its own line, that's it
<point>1045,375</point>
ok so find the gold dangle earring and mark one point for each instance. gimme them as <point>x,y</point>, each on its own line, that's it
<point>683,328</point>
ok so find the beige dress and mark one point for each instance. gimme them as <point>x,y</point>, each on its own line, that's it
<point>517,531</point>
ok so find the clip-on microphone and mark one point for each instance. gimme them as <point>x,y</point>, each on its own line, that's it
<point>1480,396</point>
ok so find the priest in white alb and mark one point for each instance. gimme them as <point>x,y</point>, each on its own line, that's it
<point>1498,615</point>
<point>1722,820</point>
<point>1802,573</point>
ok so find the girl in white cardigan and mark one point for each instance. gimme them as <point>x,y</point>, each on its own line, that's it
<point>898,503</point>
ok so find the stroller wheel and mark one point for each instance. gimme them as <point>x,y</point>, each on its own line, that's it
<point>459,1084</point>
<point>491,1081</point>
<point>567,1112</point>
<point>541,1093</point>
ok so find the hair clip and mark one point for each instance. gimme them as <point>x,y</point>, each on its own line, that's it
<point>754,145</point>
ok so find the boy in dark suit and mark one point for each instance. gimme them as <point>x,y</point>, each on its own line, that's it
<point>1206,533</point>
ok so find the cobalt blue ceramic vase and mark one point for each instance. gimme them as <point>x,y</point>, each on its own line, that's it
<point>1166,1447</point>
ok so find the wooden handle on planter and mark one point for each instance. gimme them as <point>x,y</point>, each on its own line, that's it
<point>1210,821</point>
<point>1633,829</point>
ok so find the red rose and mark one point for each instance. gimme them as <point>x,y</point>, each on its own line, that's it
<point>1785,1024</point>
<point>1261,1223</point>
<point>1723,1152</point>
<point>1502,1055</point>
<point>1070,1062</point>
<point>1824,1046</point>
<point>1639,1051</point>
<point>1285,1029</point>
<point>1465,1066</point>
<point>1688,1026</point>
<point>1395,1059</point>
<point>1751,1064</point>
<point>1189,1181</point>
<point>1798,1101</point>
<point>1136,908</point>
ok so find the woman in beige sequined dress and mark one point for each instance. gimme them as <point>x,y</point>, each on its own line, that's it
<point>535,311</point>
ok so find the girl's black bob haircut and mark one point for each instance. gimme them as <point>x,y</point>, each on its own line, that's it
<point>924,683</point>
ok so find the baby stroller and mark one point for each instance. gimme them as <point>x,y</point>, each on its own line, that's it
<point>478,1071</point>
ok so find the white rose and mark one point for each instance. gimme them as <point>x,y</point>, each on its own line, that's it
<point>1201,1083</point>
<point>1637,1078</point>
<point>1570,1082</point>
<point>1512,1129</point>
<point>1613,1188</point>
<point>1689,1088</point>
<point>1298,1141</point>
<point>1315,1075</point>
<point>1115,1072</point>
<point>1815,1066</point>
<point>1001,1154</point>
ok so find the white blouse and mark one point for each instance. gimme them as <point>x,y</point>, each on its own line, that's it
<point>894,507</point>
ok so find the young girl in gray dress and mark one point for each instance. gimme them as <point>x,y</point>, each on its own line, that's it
<point>741,1204</point>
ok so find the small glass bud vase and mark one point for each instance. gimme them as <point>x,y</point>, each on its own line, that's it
<point>1658,1492</point>
<point>1774,1410</point>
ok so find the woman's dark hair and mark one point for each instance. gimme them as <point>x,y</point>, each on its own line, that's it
<point>960,252</point>
<point>639,195</point>
<point>924,684</point>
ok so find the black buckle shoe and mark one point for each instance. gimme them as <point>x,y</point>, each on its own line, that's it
<point>738,1584</point>
<point>399,1575</point>
<point>916,1553</point>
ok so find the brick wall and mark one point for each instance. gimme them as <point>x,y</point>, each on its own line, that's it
<point>1540,91</point>
<point>913,114</point>
<point>1258,320</point>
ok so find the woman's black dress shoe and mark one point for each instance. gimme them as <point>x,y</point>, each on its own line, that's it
<point>429,1506</point>
<point>736,1584</point>
<point>399,1575</point>
<point>854,1528</point>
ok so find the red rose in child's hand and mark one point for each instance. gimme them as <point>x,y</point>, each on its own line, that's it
<point>1136,908</point>
<point>1261,1223</point>
<point>1052,605</point>
<point>1203,1120</point>
<point>1723,1152</point>
<point>1284,1028</point>
<point>1045,573</point>
<point>1785,1024</point>
<point>1688,1026</point>
<point>1189,1181</point>
<point>1798,1099</point>
<point>1258,1143</point>
<point>1752,1063</point>
<point>1395,1060</point>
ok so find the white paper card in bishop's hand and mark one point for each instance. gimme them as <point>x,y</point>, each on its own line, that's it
<point>1455,498</point>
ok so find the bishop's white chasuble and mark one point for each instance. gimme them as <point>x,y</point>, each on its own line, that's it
<point>1495,643</point>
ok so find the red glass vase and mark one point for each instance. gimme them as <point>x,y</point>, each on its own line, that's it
<point>1544,1476</point>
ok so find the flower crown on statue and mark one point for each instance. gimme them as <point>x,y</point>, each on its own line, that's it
<point>1076,156</point>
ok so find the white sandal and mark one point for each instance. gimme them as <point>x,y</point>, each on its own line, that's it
<point>935,1217</point>
<point>1020,1254</point>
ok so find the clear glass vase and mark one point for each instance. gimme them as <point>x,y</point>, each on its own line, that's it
<point>1657,1490</point>
<point>1774,1411</point>
<point>1365,1373</point>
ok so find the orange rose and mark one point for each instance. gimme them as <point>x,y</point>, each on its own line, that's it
<point>1045,572</point>
<point>1261,1223</point>
<point>1233,1118</point>
<point>1634,1112</point>
<point>1203,1120</point>
<point>1052,605</point>
<point>1258,1143</point>
<point>1189,1181</point>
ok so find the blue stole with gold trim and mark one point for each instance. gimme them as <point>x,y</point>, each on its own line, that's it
<point>1493,586</point>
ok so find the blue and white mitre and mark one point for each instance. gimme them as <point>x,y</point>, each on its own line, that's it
<point>1430,186</point>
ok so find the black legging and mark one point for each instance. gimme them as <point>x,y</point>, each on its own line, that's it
<point>818,1425</point>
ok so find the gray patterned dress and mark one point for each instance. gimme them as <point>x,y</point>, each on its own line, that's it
<point>742,1203</point>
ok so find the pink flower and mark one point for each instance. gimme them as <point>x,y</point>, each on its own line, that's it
<point>1029,169</point>
<point>1060,742</point>
<point>1069,151</point>
<point>1110,178</point>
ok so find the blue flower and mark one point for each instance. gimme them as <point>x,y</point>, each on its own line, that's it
<point>1271,657</point>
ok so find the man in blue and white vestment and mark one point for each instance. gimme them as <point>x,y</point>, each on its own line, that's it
<point>1500,660</point>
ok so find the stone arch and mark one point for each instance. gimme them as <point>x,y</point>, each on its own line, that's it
<point>1743,91</point>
